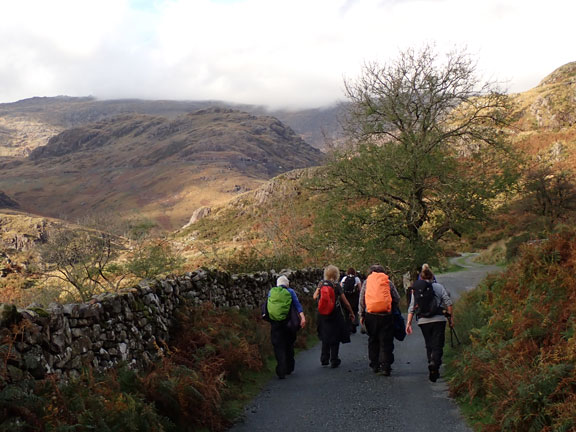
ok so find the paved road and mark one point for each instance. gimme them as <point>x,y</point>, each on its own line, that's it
<point>352,397</point>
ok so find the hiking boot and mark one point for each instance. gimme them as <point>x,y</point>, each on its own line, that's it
<point>433,373</point>
<point>335,363</point>
<point>280,373</point>
<point>385,369</point>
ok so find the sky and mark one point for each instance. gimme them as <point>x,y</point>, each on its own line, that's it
<point>290,54</point>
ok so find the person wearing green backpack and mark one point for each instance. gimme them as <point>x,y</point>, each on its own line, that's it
<point>286,316</point>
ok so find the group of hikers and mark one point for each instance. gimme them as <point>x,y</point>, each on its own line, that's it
<point>373,304</point>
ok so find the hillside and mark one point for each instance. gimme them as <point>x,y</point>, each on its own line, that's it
<point>546,114</point>
<point>275,219</point>
<point>30,123</point>
<point>150,166</point>
<point>20,234</point>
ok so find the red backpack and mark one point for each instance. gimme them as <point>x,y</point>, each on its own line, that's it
<point>327,300</point>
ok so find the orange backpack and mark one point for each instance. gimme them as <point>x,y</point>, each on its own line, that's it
<point>377,297</point>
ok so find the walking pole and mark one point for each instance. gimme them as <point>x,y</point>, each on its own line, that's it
<point>453,333</point>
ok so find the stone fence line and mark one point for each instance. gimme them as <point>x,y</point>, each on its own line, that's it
<point>129,326</point>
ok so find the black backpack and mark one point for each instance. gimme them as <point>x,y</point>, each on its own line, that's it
<point>349,285</point>
<point>426,302</point>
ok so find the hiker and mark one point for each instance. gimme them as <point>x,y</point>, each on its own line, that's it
<point>427,267</point>
<point>351,286</point>
<point>375,309</point>
<point>431,304</point>
<point>332,328</point>
<point>409,290</point>
<point>286,316</point>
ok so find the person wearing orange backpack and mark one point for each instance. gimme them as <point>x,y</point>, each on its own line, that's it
<point>377,296</point>
<point>332,327</point>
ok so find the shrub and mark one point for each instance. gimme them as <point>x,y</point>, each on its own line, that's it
<point>519,329</point>
<point>514,244</point>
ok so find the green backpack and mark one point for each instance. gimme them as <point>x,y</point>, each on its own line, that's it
<point>278,304</point>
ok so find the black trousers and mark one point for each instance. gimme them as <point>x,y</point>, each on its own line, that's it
<point>434,335</point>
<point>380,329</point>
<point>283,343</point>
<point>329,352</point>
<point>353,299</point>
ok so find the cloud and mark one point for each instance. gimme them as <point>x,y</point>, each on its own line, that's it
<point>284,53</point>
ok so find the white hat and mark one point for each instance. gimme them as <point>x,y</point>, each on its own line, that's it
<point>283,280</point>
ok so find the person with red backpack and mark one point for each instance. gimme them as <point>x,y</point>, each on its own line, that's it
<point>332,327</point>
<point>431,305</point>
<point>375,309</point>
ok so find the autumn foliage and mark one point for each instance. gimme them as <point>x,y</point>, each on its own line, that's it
<point>517,370</point>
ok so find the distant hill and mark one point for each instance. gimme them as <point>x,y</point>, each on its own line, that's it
<point>150,166</point>
<point>29,123</point>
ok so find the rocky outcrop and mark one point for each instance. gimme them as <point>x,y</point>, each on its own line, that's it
<point>21,232</point>
<point>131,326</point>
<point>199,213</point>
<point>553,102</point>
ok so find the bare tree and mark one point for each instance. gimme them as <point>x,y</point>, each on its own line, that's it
<point>84,259</point>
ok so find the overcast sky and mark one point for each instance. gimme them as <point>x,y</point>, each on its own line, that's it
<point>282,53</point>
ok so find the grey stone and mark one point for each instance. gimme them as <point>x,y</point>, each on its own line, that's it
<point>81,346</point>
<point>71,310</point>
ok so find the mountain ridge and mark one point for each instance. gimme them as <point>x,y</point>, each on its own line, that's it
<point>159,167</point>
<point>56,114</point>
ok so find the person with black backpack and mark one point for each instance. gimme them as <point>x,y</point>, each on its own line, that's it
<point>286,315</point>
<point>351,285</point>
<point>430,304</point>
<point>332,329</point>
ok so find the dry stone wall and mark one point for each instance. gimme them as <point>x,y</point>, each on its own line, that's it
<point>131,326</point>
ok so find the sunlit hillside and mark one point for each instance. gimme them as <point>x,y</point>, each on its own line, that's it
<point>143,166</point>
